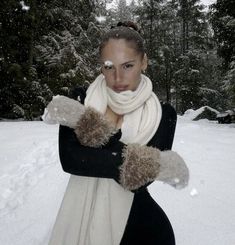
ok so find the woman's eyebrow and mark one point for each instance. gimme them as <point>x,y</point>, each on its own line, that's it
<point>128,62</point>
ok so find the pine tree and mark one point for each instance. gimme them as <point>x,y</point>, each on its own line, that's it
<point>66,54</point>
<point>195,43</point>
<point>18,24</point>
<point>123,11</point>
<point>223,23</point>
<point>45,46</point>
<point>178,38</point>
<point>148,18</point>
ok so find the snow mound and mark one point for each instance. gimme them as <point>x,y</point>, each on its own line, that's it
<point>198,114</point>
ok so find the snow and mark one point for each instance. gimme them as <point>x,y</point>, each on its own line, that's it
<point>32,183</point>
<point>108,63</point>
<point>24,7</point>
<point>194,192</point>
<point>191,114</point>
<point>100,18</point>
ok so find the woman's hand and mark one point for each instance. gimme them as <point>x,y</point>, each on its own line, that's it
<point>90,126</point>
<point>144,164</point>
<point>63,110</point>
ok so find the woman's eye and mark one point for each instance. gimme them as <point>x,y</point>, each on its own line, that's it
<point>126,66</point>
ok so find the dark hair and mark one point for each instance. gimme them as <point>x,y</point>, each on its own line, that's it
<point>127,31</point>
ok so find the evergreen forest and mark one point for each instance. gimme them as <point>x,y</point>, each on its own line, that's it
<point>50,46</point>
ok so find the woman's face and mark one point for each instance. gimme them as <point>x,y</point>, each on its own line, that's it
<point>122,65</point>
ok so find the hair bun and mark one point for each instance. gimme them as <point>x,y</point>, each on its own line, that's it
<point>129,24</point>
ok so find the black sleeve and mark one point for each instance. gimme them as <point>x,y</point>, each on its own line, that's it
<point>163,139</point>
<point>104,162</point>
<point>87,161</point>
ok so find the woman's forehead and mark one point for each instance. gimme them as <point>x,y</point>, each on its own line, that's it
<point>119,51</point>
<point>118,45</point>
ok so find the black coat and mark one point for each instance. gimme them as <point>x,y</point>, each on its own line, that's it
<point>147,223</point>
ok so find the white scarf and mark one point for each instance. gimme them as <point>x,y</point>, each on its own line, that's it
<point>141,108</point>
<point>95,211</point>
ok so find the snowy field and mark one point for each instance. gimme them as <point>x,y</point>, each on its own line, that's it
<point>32,183</point>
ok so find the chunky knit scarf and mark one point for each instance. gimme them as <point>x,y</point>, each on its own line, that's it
<point>141,108</point>
<point>95,211</point>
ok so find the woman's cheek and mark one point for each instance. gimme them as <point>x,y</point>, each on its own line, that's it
<point>109,82</point>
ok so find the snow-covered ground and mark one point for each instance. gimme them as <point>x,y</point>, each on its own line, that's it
<point>32,183</point>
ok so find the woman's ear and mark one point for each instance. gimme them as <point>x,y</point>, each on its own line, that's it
<point>144,62</point>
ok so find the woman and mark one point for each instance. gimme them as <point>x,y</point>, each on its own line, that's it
<point>113,140</point>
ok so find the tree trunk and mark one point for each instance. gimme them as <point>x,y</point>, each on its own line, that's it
<point>185,34</point>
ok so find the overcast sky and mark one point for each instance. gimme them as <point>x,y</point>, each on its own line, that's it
<point>206,2</point>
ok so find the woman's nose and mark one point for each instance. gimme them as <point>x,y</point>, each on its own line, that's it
<point>117,75</point>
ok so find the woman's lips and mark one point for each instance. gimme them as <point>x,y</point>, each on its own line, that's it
<point>120,88</point>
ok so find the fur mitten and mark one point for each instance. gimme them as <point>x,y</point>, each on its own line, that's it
<point>91,127</point>
<point>143,164</point>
